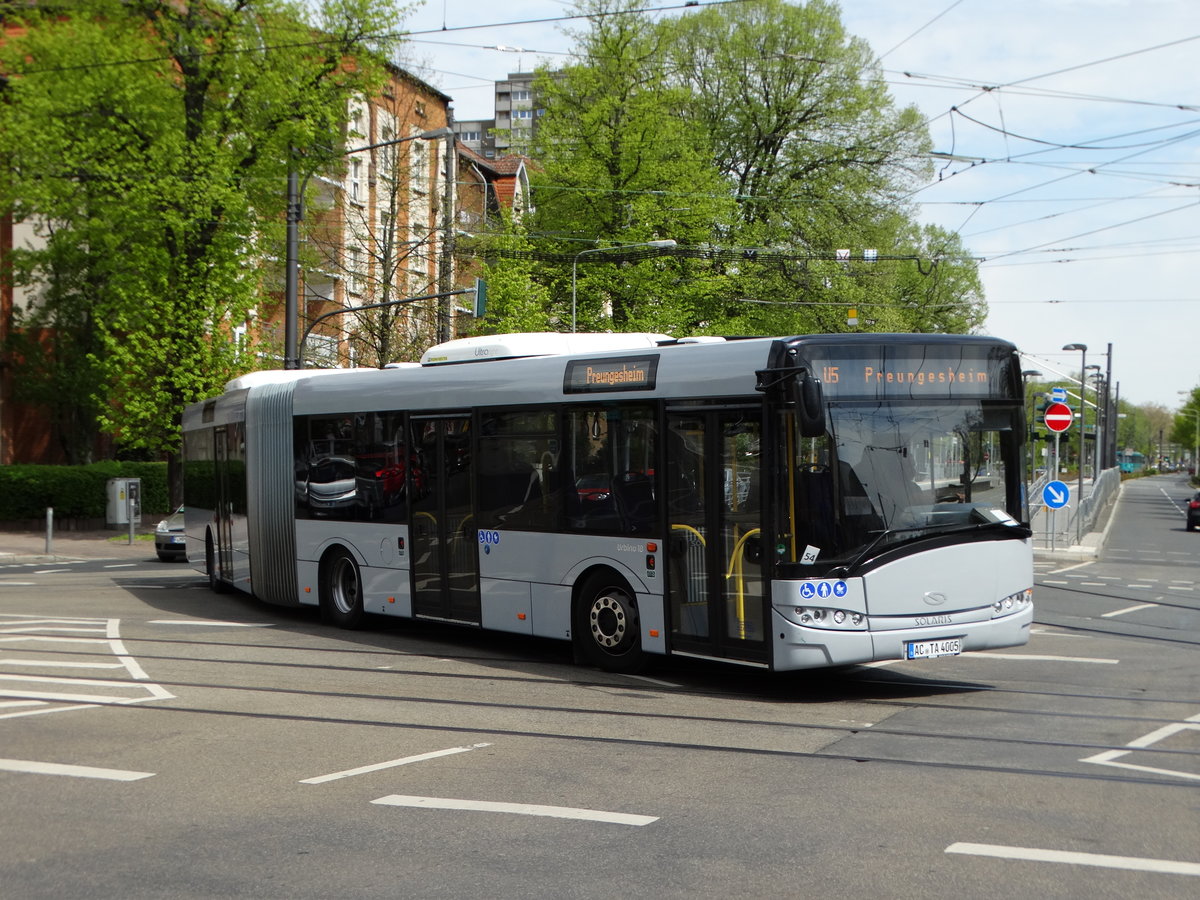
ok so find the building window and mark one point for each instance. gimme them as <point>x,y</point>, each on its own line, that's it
<point>520,95</point>
<point>356,180</point>
<point>385,152</point>
<point>420,166</point>
<point>354,260</point>
<point>419,108</point>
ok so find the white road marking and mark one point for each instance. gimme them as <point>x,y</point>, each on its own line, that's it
<point>1048,581</point>
<point>46,709</point>
<point>988,654</point>
<point>121,566</point>
<point>1145,742</point>
<point>652,681</point>
<point>17,583</point>
<point>1050,632</point>
<point>1070,568</point>
<point>1034,854</point>
<point>376,767</point>
<point>58,664</point>
<point>520,809</point>
<point>211,622</point>
<point>79,693</point>
<point>1128,609</point>
<point>45,768</point>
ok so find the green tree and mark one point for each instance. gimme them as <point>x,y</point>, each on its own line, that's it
<point>157,137</point>
<point>621,165</point>
<point>762,128</point>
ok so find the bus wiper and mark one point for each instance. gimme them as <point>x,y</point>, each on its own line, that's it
<point>843,571</point>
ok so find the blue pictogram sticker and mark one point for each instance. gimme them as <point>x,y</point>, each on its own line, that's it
<point>823,589</point>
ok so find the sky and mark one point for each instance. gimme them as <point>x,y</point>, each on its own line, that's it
<point>1071,138</point>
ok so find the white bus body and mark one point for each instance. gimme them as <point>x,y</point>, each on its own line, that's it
<point>784,503</point>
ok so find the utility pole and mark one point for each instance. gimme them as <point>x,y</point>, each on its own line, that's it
<point>446,260</point>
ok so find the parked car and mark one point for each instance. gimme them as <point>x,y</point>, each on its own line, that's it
<point>169,542</point>
<point>1193,512</point>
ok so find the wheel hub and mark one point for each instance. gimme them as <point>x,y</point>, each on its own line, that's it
<point>609,621</point>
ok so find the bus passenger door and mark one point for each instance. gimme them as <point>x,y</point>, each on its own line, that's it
<point>716,581</point>
<point>223,505</point>
<point>444,537</point>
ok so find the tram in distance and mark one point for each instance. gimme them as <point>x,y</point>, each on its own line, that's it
<point>785,503</point>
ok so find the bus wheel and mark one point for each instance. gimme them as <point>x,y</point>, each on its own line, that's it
<point>607,629</point>
<point>341,591</point>
<point>215,584</point>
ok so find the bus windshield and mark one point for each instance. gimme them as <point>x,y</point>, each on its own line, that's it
<point>887,472</point>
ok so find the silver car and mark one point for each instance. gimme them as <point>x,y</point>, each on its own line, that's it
<point>169,542</point>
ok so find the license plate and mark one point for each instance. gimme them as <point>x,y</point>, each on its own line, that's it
<point>177,539</point>
<point>932,649</point>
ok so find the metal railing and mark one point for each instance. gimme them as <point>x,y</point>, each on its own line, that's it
<point>1062,528</point>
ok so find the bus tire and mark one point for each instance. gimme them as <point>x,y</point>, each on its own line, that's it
<point>341,591</point>
<point>606,627</point>
<point>215,584</point>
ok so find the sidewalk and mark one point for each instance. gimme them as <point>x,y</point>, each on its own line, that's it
<point>1090,544</point>
<point>30,546</point>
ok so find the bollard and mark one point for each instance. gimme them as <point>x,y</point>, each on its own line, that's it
<point>49,530</point>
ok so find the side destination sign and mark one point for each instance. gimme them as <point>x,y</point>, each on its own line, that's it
<point>624,373</point>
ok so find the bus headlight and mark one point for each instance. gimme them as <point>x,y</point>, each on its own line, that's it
<point>1013,603</point>
<point>834,619</point>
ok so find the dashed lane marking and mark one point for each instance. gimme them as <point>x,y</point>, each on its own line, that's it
<point>1128,609</point>
<point>1037,854</point>
<point>31,767</point>
<point>376,767</point>
<point>520,809</point>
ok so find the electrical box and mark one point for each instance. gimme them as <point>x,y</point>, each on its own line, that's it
<point>124,501</point>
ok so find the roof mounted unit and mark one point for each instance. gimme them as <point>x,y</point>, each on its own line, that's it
<point>544,343</point>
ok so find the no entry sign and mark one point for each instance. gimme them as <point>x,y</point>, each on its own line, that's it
<point>1058,417</point>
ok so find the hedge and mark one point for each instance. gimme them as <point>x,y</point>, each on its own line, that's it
<point>78,492</point>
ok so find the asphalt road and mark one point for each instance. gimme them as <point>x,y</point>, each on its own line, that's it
<point>158,740</point>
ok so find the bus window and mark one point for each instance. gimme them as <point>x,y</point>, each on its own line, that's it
<point>517,473</point>
<point>352,467</point>
<point>611,452</point>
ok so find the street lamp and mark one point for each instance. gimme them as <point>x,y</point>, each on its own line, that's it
<point>1195,433</point>
<point>1025,374</point>
<point>575,263</point>
<point>291,314</point>
<point>1099,426</point>
<point>1082,348</point>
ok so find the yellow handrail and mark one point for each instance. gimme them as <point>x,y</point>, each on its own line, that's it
<point>679,526</point>
<point>735,563</point>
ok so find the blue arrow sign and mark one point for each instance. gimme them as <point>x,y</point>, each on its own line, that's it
<point>1058,395</point>
<point>1056,494</point>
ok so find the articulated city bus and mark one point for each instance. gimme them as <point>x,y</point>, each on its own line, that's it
<point>785,503</point>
